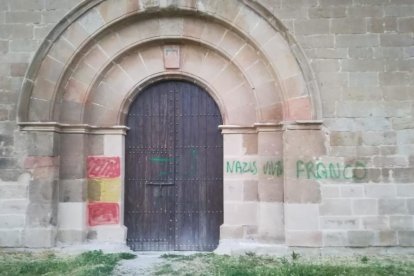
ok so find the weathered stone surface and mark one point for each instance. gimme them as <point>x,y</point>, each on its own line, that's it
<point>302,216</point>
<point>340,222</point>
<point>406,238</point>
<point>392,206</point>
<point>71,236</point>
<point>41,215</point>
<point>385,238</point>
<point>402,222</point>
<point>365,206</point>
<point>335,238</point>
<point>12,221</point>
<point>304,238</point>
<point>43,144</point>
<point>360,238</point>
<point>11,237</point>
<point>336,207</point>
<point>39,237</point>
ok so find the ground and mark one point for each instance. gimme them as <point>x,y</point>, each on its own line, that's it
<point>109,260</point>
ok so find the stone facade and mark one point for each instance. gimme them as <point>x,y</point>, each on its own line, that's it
<point>315,95</point>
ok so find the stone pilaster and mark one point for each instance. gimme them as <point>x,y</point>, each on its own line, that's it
<point>270,184</point>
<point>43,163</point>
<point>303,144</point>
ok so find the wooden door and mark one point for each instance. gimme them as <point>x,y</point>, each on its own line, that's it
<point>174,169</point>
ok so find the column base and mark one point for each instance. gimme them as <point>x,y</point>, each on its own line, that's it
<point>108,233</point>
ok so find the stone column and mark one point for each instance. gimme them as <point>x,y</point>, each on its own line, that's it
<point>73,188</point>
<point>303,143</point>
<point>240,184</point>
<point>270,186</point>
<point>42,162</point>
<point>106,173</point>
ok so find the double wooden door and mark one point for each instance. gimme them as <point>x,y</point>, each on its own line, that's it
<point>174,169</point>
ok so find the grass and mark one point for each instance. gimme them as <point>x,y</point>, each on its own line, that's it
<point>90,263</point>
<point>295,265</point>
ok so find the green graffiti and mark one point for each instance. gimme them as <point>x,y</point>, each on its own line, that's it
<point>320,170</point>
<point>274,168</point>
<point>159,159</point>
<point>239,167</point>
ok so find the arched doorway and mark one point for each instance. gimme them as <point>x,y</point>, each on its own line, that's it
<point>174,169</point>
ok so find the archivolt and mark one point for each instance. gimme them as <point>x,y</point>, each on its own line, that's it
<point>91,47</point>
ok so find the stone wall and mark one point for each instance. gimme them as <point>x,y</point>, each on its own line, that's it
<point>25,203</point>
<point>362,54</point>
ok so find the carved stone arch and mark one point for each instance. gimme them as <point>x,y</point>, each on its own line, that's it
<point>91,18</point>
<point>93,63</point>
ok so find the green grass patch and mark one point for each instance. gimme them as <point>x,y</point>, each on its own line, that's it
<point>296,265</point>
<point>88,263</point>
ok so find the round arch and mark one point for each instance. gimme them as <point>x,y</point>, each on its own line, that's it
<point>91,20</point>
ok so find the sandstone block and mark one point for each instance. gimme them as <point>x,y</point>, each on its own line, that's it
<point>111,233</point>
<point>396,40</point>
<point>410,206</point>
<point>41,215</point>
<point>71,236</point>
<point>380,190</point>
<point>348,26</point>
<point>340,222</point>
<point>327,12</point>
<point>231,231</point>
<point>72,190</point>
<point>336,207</point>
<point>402,222</point>
<point>335,238</point>
<point>232,144</point>
<point>72,215</point>
<point>405,190</point>
<point>270,191</point>
<point>382,25</point>
<point>352,191</point>
<point>329,191</point>
<point>11,237</point>
<point>270,222</point>
<point>302,191</point>
<point>375,223</point>
<point>24,5</point>
<point>317,41</point>
<point>39,237</point>
<point>233,190</point>
<point>345,138</point>
<point>12,221</point>
<point>43,144</point>
<point>240,213</point>
<point>304,238</point>
<point>385,238</point>
<point>302,216</point>
<point>11,206</point>
<point>365,206</point>
<point>362,65</point>
<point>406,238</point>
<point>358,53</point>
<point>250,191</point>
<point>357,40</point>
<point>311,26</point>
<point>360,238</point>
<point>13,190</point>
<point>41,191</point>
<point>392,206</point>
